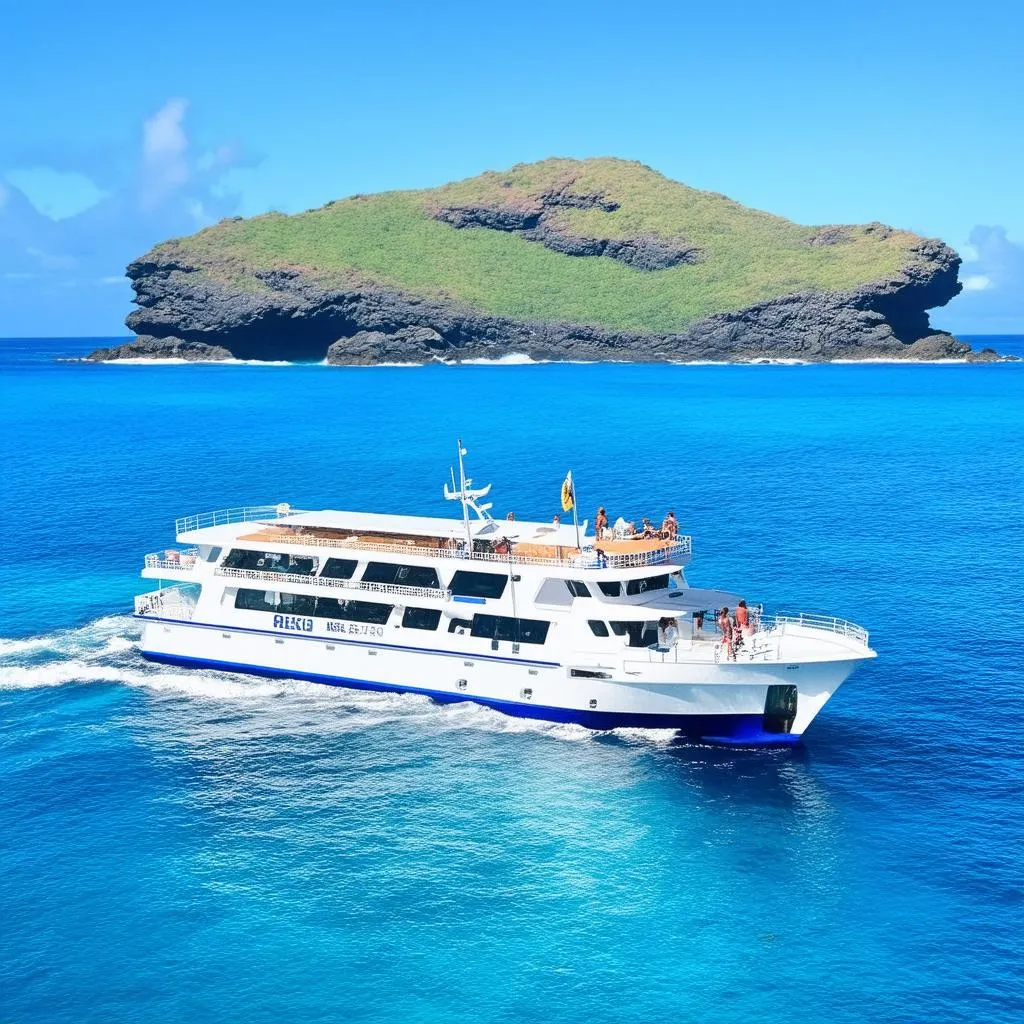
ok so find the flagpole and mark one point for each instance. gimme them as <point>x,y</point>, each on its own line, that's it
<point>575,511</point>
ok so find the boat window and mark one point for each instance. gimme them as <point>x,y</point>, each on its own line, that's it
<point>269,601</point>
<point>339,568</point>
<point>597,627</point>
<point>459,626</point>
<point>256,600</point>
<point>401,575</point>
<point>639,634</point>
<point>421,618</point>
<point>503,627</point>
<point>354,611</point>
<point>611,589</point>
<point>477,584</point>
<point>577,588</point>
<point>586,673</point>
<point>269,561</point>
<point>647,583</point>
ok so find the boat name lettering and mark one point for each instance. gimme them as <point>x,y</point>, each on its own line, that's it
<point>294,622</point>
<point>355,628</point>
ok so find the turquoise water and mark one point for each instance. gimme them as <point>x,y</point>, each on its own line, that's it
<point>192,846</point>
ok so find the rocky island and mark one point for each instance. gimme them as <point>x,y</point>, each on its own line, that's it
<point>599,259</point>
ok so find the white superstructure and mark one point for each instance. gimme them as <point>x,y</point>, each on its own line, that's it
<point>514,615</point>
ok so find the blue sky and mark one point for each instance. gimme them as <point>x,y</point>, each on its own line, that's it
<point>123,124</point>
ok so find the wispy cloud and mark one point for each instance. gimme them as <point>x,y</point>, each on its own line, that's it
<point>992,301</point>
<point>165,186</point>
<point>165,165</point>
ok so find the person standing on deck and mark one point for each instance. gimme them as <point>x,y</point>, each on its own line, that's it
<point>743,620</point>
<point>670,527</point>
<point>725,625</point>
<point>600,523</point>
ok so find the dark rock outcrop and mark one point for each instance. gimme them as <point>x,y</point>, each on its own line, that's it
<point>147,347</point>
<point>370,348</point>
<point>535,219</point>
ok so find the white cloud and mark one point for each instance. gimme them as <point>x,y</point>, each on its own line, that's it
<point>968,253</point>
<point>119,279</point>
<point>977,283</point>
<point>164,153</point>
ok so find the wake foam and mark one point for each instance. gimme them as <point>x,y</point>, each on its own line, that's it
<point>106,652</point>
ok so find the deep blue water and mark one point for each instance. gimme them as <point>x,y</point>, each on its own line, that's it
<point>193,846</point>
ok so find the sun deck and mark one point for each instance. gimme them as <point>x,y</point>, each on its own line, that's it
<point>505,541</point>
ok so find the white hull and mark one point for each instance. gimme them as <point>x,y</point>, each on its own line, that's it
<point>723,701</point>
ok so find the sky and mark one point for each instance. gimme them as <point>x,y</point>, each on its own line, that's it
<point>125,124</point>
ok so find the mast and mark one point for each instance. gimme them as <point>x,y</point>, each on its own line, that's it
<point>465,500</point>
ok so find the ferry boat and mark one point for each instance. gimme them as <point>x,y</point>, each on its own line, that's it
<point>533,619</point>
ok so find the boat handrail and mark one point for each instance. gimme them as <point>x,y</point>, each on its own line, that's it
<point>226,516</point>
<point>586,559</point>
<point>829,623</point>
<point>172,559</point>
<point>167,603</point>
<point>393,589</point>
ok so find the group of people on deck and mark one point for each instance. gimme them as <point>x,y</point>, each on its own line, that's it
<point>647,531</point>
<point>735,629</point>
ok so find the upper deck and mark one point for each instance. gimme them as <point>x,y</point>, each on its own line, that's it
<point>510,542</point>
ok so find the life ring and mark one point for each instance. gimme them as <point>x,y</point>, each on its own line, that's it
<point>567,496</point>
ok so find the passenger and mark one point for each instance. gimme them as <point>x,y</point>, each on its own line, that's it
<point>602,559</point>
<point>670,527</point>
<point>698,621</point>
<point>511,517</point>
<point>668,633</point>
<point>557,521</point>
<point>600,523</point>
<point>648,530</point>
<point>743,620</point>
<point>725,625</point>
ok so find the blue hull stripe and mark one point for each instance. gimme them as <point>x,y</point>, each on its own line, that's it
<point>280,634</point>
<point>742,730</point>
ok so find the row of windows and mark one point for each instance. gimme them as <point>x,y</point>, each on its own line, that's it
<point>491,627</point>
<point>319,607</point>
<point>463,583</point>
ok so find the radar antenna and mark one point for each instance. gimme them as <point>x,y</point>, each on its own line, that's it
<point>468,496</point>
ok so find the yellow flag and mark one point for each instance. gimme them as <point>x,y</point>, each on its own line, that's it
<point>568,494</point>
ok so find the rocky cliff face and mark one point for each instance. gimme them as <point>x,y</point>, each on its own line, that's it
<point>191,307</point>
<point>293,317</point>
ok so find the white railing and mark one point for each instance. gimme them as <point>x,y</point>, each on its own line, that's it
<point>168,603</point>
<point>172,559</point>
<point>394,589</point>
<point>587,559</point>
<point>225,516</point>
<point>828,623</point>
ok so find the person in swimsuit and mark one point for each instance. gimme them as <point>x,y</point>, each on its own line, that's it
<point>725,625</point>
<point>600,523</point>
<point>670,527</point>
<point>743,620</point>
<point>648,529</point>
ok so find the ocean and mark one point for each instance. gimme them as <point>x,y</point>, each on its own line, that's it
<point>187,845</point>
